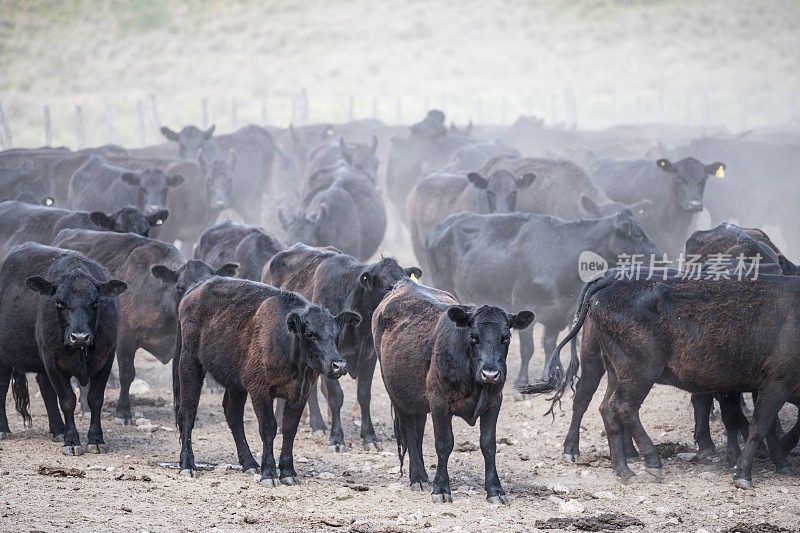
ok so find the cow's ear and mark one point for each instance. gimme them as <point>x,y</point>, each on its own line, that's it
<point>348,318</point>
<point>459,316</point>
<point>526,180</point>
<point>666,166</point>
<point>413,271</point>
<point>227,270</point>
<point>131,179</point>
<point>716,169</point>
<point>367,279</point>
<point>111,288</point>
<point>209,132</point>
<point>477,180</point>
<point>590,206</point>
<point>169,134</point>
<point>156,219</point>
<point>521,320</point>
<point>175,181</point>
<point>787,267</point>
<point>294,324</point>
<point>101,220</point>
<point>164,273</point>
<point>41,285</point>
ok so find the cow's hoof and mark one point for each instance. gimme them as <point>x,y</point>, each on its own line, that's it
<point>706,452</point>
<point>373,446</point>
<point>655,472</point>
<point>319,433</point>
<point>290,481</point>
<point>441,498</point>
<point>499,499</point>
<point>419,485</point>
<point>337,448</point>
<point>5,435</point>
<point>189,472</point>
<point>743,483</point>
<point>569,457</point>
<point>72,450</point>
<point>96,448</point>
<point>519,397</point>
<point>251,471</point>
<point>57,438</point>
<point>124,421</point>
<point>788,471</point>
<point>626,477</point>
<point>269,482</point>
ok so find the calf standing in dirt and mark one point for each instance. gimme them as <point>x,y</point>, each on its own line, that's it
<point>258,340</point>
<point>337,282</point>
<point>60,318</point>
<point>446,359</point>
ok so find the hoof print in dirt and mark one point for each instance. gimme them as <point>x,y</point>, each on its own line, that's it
<point>96,448</point>
<point>441,498</point>
<point>500,499</point>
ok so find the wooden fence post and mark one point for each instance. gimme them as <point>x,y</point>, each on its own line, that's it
<point>5,130</point>
<point>79,127</point>
<point>142,132</point>
<point>48,129</point>
<point>151,98</point>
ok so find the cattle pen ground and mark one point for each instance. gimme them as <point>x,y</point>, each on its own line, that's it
<point>361,491</point>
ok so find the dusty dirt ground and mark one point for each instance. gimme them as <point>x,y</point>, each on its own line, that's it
<point>362,491</point>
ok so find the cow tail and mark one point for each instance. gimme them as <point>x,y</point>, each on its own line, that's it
<point>400,435</point>
<point>557,379</point>
<point>22,399</point>
<point>176,382</point>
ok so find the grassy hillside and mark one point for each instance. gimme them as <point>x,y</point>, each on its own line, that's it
<point>533,54</point>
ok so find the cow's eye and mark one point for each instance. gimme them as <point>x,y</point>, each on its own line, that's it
<point>310,335</point>
<point>96,302</point>
<point>60,304</point>
<point>473,338</point>
<point>505,339</point>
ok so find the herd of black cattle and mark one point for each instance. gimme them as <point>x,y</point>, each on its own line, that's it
<point>90,269</point>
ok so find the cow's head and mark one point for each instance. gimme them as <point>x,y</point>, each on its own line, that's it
<point>129,220</point>
<point>623,236</point>
<point>361,156</point>
<point>218,175</point>
<point>188,274</point>
<point>488,332</point>
<point>379,278</point>
<point>688,180</point>
<point>189,140</point>
<point>75,298</point>
<point>300,228</point>
<point>500,189</point>
<point>151,186</point>
<point>317,333</point>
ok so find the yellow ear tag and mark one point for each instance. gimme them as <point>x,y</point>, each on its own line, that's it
<point>663,164</point>
<point>413,278</point>
<point>720,172</point>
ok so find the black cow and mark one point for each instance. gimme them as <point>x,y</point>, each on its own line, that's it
<point>60,318</point>
<point>100,185</point>
<point>24,182</point>
<point>230,242</point>
<point>342,208</point>
<point>521,261</point>
<point>338,282</point>
<point>158,276</point>
<point>255,151</point>
<point>441,195</point>
<point>21,222</point>
<point>359,156</point>
<point>671,331</point>
<point>674,189</point>
<point>449,360</point>
<point>473,157</point>
<point>258,340</point>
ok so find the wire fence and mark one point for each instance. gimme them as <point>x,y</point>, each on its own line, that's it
<point>137,122</point>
